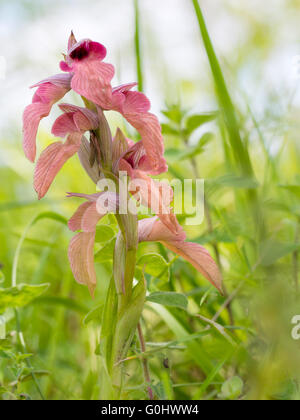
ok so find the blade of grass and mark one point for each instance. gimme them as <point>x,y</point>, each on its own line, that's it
<point>211,377</point>
<point>240,152</point>
<point>195,349</point>
<point>137,42</point>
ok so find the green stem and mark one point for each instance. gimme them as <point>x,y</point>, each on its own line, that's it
<point>137,41</point>
<point>145,363</point>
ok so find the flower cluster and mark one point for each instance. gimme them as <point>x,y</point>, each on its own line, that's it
<point>86,73</point>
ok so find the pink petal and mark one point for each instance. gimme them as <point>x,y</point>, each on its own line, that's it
<point>64,125</point>
<point>200,258</point>
<point>92,80</point>
<point>88,214</point>
<point>74,119</point>
<point>81,257</point>
<point>61,80</point>
<point>150,130</point>
<point>46,95</point>
<point>136,102</point>
<point>154,230</point>
<point>157,196</point>
<point>72,41</point>
<point>124,88</point>
<point>31,119</point>
<point>51,161</point>
<point>75,223</point>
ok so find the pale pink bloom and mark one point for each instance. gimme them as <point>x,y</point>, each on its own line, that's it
<point>73,123</point>
<point>91,76</point>
<point>135,106</point>
<point>49,91</point>
<point>153,230</point>
<point>81,249</point>
<point>153,194</point>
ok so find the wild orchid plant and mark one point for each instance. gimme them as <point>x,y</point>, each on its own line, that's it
<point>105,158</point>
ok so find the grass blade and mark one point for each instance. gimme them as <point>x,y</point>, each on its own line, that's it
<point>240,152</point>
<point>137,41</point>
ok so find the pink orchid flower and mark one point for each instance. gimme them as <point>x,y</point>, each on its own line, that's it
<point>92,79</point>
<point>49,91</point>
<point>81,249</point>
<point>73,123</point>
<point>153,230</point>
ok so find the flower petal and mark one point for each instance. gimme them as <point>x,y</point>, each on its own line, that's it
<point>200,258</point>
<point>49,91</point>
<point>51,161</point>
<point>149,128</point>
<point>155,231</point>
<point>75,223</point>
<point>31,119</point>
<point>157,196</point>
<point>92,80</point>
<point>81,257</point>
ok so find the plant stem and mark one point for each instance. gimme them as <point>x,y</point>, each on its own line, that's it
<point>145,362</point>
<point>23,345</point>
<point>137,41</point>
<point>296,261</point>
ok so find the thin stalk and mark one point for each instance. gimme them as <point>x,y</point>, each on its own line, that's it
<point>296,261</point>
<point>23,345</point>
<point>145,362</point>
<point>137,42</point>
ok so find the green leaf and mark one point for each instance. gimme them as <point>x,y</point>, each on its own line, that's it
<point>106,253</point>
<point>2,277</point>
<point>104,233</point>
<point>156,266</point>
<point>19,296</point>
<point>196,121</point>
<point>233,181</point>
<point>36,374</point>
<point>177,300</point>
<point>168,130</point>
<point>174,114</point>
<point>272,251</point>
<point>94,315</point>
<point>232,389</point>
<point>295,189</point>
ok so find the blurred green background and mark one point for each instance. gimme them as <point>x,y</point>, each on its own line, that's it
<point>239,350</point>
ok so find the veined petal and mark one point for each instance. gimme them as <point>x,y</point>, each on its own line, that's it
<point>64,125</point>
<point>150,130</point>
<point>31,119</point>
<point>51,161</point>
<point>61,80</point>
<point>157,196</point>
<point>81,257</point>
<point>75,223</point>
<point>75,119</point>
<point>200,258</point>
<point>154,230</point>
<point>92,79</point>
<point>47,94</point>
<point>136,102</point>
